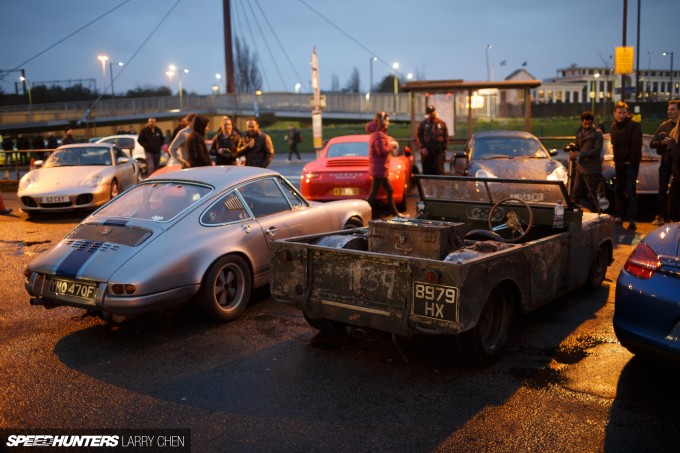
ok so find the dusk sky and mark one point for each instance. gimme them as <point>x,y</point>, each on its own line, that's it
<point>439,39</point>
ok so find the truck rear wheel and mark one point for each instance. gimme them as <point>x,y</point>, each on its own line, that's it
<point>486,342</point>
<point>598,268</point>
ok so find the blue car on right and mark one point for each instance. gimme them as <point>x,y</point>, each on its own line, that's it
<point>647,301</point>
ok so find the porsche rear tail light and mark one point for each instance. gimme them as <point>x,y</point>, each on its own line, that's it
<point>120,289</point>
<point>643,262</point>
<point>432,277</point>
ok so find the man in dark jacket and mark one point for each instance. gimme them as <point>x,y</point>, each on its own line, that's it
<point>257,146</point>
<point>588,161</point>
<point>666,160</point>
<point>68,139</point>
<point>626,136</point>
<point>152,139</point>
<point>433,139</point>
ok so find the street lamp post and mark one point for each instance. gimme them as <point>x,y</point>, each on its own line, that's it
<point>120,63</point>
<point>370,63</point>
<point>103,59</point>
<point>671,54</point>
<point>486,49</point>
<point>219,83</point>
<point>23,79</point>
<point>592,92</point>
<point>395,66</point>
<point>179,72</point>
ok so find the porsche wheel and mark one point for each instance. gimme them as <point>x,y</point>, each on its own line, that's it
<point>226,288</point>
<point>115,189</point>
<point>486,342</point>
<point>143,168</point>
<point>598,268</point>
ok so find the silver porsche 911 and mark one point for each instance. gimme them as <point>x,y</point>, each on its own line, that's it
<point>78,176</point>
<point>201,234</point>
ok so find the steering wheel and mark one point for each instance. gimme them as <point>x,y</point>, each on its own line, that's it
<point>484,234</point>
<point>513,221</point>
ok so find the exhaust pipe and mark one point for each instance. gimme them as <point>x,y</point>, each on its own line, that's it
<point>41,301</point>
<point>357,333</point>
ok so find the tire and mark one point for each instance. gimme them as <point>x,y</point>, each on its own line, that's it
<point>143,168</point>
<point>598,268</point>
<point>226,288</point>
<point>352,223</point>
<point>115,189</point>
<point>487,341</point>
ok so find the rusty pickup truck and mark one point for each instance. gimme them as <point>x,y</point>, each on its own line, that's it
<point>478,253</point>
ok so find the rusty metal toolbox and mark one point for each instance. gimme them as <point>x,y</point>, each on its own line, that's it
<point>414,237</point>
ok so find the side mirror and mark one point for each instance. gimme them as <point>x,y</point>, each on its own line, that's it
<point>39,163</point>
<point>407,151</point>
<point>460,163</point>
<point>552,152</point>
<point>122,160</point>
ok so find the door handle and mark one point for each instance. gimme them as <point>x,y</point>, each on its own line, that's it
<point>246,228</point>
<point>271,231</point>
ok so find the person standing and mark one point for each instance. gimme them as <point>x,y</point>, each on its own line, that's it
<point>666,161</point>
<point>433,139</point>
<point>68,139</point>
<point>293,138</point>
<point>226,143</point>
<point>52,142</point>
<point>380,147</point>
<point>196,148</point>
<point>22,145</point>
<point>178,149</point>
<point>8,148</point>
<point>257,146</point>
<point>175,131</point>
<point>38,143</point>
<point>672,145</point>
<point>152,139</point>
<point>588,161</point>
<point>626,136</point>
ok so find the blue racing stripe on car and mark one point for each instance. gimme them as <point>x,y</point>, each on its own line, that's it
<point>74,260</point>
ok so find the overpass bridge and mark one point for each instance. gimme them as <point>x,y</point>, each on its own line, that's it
<point>124,111</point>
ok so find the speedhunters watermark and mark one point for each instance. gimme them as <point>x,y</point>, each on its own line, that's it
<point>114,440</point>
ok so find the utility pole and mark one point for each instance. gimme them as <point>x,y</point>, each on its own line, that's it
<point>625,25</point>
<point>228,52</point>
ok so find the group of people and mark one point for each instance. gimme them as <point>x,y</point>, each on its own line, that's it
<point>626,139</point>
<point>37,143</point>
<point>188,144</point>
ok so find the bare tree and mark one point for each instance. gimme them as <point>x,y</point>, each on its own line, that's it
<point>335,83</point>
<point>247,75</point>
<point>354,82</point>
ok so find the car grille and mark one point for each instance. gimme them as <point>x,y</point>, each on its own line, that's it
<point>91,246</point>
<point>347,162</point>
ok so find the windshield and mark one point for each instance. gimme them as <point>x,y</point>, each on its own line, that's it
<point>508,148</point>
<point>479,190</point>
<point>159,201</point>
<point>70,157</point>
<point>351,149</point>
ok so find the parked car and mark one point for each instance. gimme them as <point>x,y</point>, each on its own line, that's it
<point>129,144</point>
<point>648,176</point>
<point>341,172</point>
<point>507,155</point>
<point>200,234</point>
<point>647,312</point>
<point>479,253</point>
<point>79,176</point>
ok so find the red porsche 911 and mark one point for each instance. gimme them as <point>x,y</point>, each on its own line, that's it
<point>341,172</point>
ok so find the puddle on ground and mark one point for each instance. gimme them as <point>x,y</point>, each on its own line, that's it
<point>19,248</point>
<point>573,350</point>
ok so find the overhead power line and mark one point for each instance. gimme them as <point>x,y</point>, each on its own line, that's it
<point>69,35</point>
<point>254,43</point>
<point>266,44</point>
<point>370,52</point>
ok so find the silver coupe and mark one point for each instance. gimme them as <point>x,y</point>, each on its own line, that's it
<point>200,234</point>
<point>79,176</point>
